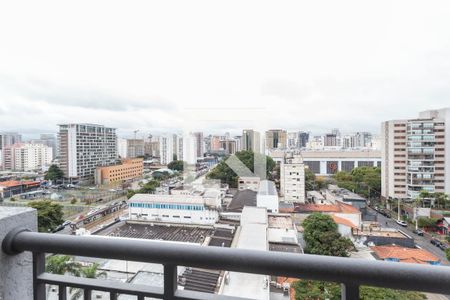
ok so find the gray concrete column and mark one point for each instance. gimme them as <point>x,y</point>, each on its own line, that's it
<point>16,271</point>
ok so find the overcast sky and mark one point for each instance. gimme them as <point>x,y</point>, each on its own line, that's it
<point>221,66</point>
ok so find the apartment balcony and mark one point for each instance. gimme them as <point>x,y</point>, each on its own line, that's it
<point>23,275</point>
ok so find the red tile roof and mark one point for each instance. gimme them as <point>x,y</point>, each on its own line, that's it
<point>13,183</point>
<point>343,221</point>
<point>408,255</point>
<point>338,207</point>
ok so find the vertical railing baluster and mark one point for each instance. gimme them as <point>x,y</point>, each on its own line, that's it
<point>62,292</point>
<point>170,281</point>
<point>87,294</point>
<point>38,269</point>
<point>112,296</point>
<point>349,291</point>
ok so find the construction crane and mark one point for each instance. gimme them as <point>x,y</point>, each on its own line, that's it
<point>135,131</point>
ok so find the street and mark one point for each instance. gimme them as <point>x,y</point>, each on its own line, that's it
<point>421,241</point>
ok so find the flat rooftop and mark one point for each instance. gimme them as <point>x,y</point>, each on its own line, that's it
<point>280,221</point>
<point>186,234</point>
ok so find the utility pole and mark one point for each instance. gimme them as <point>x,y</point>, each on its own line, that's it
<point>398,209</point>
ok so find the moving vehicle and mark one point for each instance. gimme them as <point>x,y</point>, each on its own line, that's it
<point>401,223</point>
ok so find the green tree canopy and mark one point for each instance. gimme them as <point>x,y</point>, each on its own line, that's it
<point>176,165</point>
<point>62,264</point>
<point>50,214</point>
<point>322,237</point>
<point>54,173</point>
<point>223,172</point>
<point>319,290</point>
<point>363,180</point>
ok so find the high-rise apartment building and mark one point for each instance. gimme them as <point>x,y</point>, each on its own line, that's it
<point>251,141</point>
<point>131,148</point>
<point>276,139</point>
<point>84,147</point>
<point>416,155</point>
<point>292,178</point>
<point>330,140</point>
<point>166,149</point>
<point>47,139</point>
<point>26,157</point>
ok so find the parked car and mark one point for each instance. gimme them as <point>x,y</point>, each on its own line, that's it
<point>443,246</point>
<point>418,232</point>
<point>59,228</point>
<point>401,223</point>
<point>435,242</point>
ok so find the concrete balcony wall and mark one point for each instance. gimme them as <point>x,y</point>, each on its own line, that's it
<point>16,271</point>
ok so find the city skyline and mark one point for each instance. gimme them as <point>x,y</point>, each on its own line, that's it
<point>294,72</point>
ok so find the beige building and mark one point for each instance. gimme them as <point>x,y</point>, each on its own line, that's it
<point>276,139</point>
<point>26,157</point>
<point>127,170</point>
<point>292,178</point>
<point>248,183</point>
<point>415,154</point>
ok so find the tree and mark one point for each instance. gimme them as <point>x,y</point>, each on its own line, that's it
<point>424,222</point>
<point>50,214</point>
<point>447,253</point>
<point>176,165</point>
<point>90,271</point>
<point>322,237</point>
<point>223,172</point>
<point>62,264</point>
<point>149,187</point>
<point>362,180</point>
<point>441,200</point>
<point>319,290</point>
<point>54,173</point>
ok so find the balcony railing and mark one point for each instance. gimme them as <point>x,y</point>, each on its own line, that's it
<point>350,272</point>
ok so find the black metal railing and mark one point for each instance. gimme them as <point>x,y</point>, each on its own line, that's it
<point>350,272</point>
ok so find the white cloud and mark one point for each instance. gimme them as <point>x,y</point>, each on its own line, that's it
<point>146,65</point>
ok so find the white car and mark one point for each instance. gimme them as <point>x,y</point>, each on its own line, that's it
<point>401,223</point>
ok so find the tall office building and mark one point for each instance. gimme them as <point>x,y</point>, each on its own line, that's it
<point>200,143</point>
<point>84,147</point>
<point>26,157</point>
<point>276,139</point>
<point>303,139</point>
<point>9,138</point>
<point>251,141</point>
<point>292,178</point>
<point>416,155</point>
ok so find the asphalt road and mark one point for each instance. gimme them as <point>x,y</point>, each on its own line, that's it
<point>421,241</point>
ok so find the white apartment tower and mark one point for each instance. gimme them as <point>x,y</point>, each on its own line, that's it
<point>166,148</point>
<point>292,178</point>
<point>84,147</point>
<point>416,155</point>
<point>26,157</point>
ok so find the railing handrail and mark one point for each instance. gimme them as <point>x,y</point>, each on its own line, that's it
<point>426,278</point>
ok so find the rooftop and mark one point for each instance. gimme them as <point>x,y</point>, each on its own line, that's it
<point>242,198</point>
<point>13,183</point>
<point>342,221</point>
<point>280,221</point>
<point>267,187</point>
<point>407,255</point>
<point>338,207</point>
